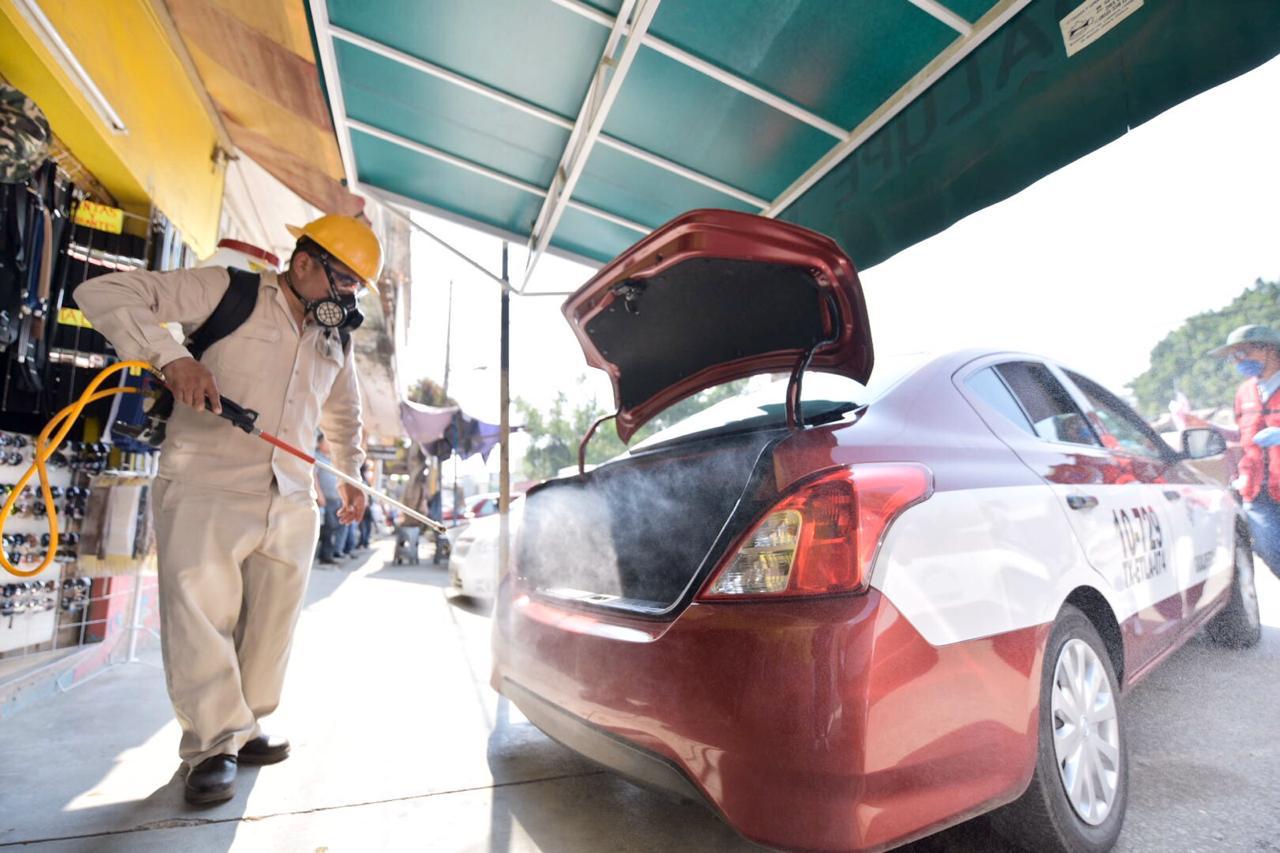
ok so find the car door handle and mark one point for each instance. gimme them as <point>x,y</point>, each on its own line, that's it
<point>1172,495</point>
<point>1081,501</point>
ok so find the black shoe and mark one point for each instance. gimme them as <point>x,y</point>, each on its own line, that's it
<point>264,749</point>
<point>212,781</point>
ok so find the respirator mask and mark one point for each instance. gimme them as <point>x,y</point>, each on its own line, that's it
<point>1249,367</point>
<point>337,310</point>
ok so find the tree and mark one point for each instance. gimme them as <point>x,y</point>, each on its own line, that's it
<point>428,392</point>
<point>556,433</point>
<point>1179,362</point>
<point>691,406</point>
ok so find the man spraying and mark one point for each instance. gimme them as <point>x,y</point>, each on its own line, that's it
<point>1256,352</point>
<point>236,518</point>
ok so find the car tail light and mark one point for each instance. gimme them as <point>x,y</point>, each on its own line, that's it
<point>821,538</point>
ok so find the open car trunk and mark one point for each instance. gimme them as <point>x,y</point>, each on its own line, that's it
<point>713,296</point>
<point>710,297</point>
<point>636,534</point>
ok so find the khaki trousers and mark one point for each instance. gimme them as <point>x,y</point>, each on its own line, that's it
<point>233,572</point>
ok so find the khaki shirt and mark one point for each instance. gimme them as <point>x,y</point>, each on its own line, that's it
<point>297,380</point>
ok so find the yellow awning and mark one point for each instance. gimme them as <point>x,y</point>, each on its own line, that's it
<point>168,152</point>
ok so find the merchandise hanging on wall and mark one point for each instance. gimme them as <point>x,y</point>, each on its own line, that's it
<point>53,238</point>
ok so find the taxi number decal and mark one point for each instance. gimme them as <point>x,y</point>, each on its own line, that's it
<point>1142,541</point>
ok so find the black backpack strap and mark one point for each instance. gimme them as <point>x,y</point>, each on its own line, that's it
<point>230,313</point>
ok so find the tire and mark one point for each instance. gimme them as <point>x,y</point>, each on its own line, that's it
<point>1047,817</point>
<point>1238,625</point>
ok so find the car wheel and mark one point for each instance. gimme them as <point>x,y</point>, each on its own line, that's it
<point>1239,625</point>
<point>1080,788</point>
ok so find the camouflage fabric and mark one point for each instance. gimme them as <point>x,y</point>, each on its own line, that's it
<point>24,136</point>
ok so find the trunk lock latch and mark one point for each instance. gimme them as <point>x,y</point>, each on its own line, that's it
<point>630,291</point>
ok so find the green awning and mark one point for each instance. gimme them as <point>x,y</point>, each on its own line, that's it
<point>576,127</point>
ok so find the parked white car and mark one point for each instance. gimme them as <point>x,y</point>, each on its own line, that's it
<point>473,562</point>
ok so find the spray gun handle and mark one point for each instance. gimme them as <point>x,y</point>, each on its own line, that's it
<point>239,416</point>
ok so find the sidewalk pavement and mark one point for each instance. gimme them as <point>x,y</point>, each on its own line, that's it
<point>398,744</point>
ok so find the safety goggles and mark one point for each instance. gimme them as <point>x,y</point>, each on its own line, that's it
<point>341,280</point>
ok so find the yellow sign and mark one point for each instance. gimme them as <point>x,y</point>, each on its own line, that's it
<point>73,317</point>
<point>99,216</point>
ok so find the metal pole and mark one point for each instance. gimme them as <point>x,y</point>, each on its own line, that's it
<point>448,352</point>
<point>504,429</point>
<point>455,455</point>
<point>135,616</point>
<point>448,342</point>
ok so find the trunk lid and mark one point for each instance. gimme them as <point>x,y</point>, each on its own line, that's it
<point>713,296</point>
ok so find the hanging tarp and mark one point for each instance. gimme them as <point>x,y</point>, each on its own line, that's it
<point>579,126</point>
<point>426,424</point>
<point>444,430</point>
<point>467,436</point>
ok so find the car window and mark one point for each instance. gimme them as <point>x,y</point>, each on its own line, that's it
<point>1129,430</point>
<point>991,389</point>
<point>824,396</point>
<point>1053,414</point>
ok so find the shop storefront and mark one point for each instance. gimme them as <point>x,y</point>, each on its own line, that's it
<point>140,172</point>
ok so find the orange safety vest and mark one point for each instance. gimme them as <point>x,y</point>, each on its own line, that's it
<point>1258,465</point>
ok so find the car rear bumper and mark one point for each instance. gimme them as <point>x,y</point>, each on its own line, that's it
<point>639,765</point>
<point>826,724</point>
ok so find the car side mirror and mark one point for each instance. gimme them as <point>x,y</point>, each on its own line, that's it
<point>1202,443</point>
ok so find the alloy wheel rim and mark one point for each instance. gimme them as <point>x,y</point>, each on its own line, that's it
<point>1086,732</point>
<point>1248,591</point>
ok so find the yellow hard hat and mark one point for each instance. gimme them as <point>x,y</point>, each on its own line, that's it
<point>349,240</point>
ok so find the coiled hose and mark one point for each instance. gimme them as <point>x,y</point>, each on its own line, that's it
<point>46,445</point>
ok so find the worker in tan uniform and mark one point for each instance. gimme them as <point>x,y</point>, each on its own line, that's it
<point>236,518</point>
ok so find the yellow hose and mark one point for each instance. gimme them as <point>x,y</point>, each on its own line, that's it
<point>46,446</point>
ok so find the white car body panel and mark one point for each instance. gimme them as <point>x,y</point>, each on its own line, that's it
<point>977,562</point>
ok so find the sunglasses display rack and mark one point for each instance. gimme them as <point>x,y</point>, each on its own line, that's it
<point>55,601</point>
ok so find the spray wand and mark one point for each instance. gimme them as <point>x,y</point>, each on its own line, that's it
<point>56,430</point>
<point>246,419</point>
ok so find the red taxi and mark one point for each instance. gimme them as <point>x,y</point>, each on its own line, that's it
<point>847,620</point>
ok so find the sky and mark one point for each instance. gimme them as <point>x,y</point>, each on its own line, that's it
<point>1093,265</point>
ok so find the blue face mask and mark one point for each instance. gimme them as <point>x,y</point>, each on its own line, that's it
<point>1249,367</point>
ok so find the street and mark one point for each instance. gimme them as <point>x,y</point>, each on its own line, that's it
<point>400,744</point>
